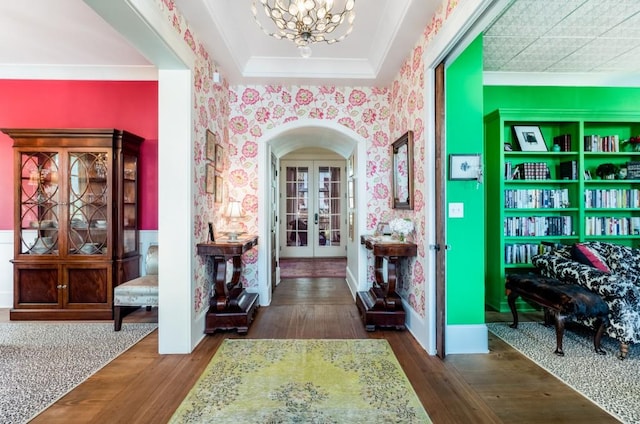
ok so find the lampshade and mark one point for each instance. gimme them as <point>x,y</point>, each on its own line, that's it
<point>234,212</point>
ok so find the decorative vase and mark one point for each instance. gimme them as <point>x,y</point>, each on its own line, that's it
<point>636,147</point>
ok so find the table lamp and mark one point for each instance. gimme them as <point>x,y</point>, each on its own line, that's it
<point>234,213</point>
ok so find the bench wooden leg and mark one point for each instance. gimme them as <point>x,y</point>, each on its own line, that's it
<point>511,299</point>
<point>117,318</point>
<point>600,325</point>
<point>559,323</point>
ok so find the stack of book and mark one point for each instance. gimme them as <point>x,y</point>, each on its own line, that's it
<point>533,171</point>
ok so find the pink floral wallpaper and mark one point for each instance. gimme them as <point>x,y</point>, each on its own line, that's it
<point>240,115</point>
<point>211,111</point>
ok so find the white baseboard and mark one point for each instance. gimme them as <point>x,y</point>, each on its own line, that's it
<point>467,339</point>
<point>352,283</point>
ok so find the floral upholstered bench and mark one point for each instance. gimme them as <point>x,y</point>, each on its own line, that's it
<point>560,302</point>
<point>141,291</point>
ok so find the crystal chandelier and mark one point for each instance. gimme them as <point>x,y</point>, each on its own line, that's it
<point>306,21</point>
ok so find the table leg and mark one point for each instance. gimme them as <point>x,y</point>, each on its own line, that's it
<point>220,298</point>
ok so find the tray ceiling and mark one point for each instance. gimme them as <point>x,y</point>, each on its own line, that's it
<point>542,37</point>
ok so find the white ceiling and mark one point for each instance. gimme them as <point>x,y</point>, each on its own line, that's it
<point>67,39</point>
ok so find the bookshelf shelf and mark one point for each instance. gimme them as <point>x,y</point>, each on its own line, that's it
<point>591,204</point>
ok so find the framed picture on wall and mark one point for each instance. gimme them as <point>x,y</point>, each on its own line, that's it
<point>210,146</point>
<point>218,188</point>
<point>209,179</point>
<point>529,138</point>
<point>464,167</point>
<point>219,158</point>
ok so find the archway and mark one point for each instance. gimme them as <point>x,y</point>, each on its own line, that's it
<point>288,138</point>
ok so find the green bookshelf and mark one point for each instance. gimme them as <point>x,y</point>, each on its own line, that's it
<point>565,206</point>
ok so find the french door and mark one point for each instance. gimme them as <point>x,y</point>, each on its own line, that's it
<point>312,208</point>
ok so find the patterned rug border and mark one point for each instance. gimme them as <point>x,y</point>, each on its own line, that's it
<point>605,376</point>
<point>274,373</point>
<point>313,268</point>
<point>38,344</point>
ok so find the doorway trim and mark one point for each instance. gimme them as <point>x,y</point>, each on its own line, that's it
<point>282,140</point>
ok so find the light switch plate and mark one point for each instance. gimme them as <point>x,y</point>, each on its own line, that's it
<point>456,210</point>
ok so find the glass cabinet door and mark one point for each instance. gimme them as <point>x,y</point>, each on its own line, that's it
<point>130,200</point>
<point>88,200</point>
<point>39,203</point>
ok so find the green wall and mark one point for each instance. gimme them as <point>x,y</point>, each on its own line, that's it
<point>590,98</point>
<point>465,236</point>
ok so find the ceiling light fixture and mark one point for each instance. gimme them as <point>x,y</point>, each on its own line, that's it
<point>306,22</point>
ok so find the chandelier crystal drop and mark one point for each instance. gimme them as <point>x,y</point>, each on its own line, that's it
<point>306,21</point>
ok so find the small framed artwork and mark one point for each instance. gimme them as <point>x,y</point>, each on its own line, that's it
<point>529,138</point>
<point>219,158</point>
<point>210,146</point>
<point>218,188</point>
<point>464,167</point>
<point>209,179</point>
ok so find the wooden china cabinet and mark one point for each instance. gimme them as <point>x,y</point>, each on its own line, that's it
<point>76,221</point>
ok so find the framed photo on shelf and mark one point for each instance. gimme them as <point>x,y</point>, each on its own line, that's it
<point>218,189</point>
<point>530,138</point>
<point>464,167</point>
<point>219,158</point>
<point>210,146</point>
<point>383,229</point>
<point>209,179</point>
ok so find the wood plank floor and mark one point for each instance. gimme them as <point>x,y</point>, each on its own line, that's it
<point>142,386</point>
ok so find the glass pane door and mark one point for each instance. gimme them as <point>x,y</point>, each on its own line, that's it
<point>88,211</point>
<point>312,209</point>
<point>329,207</point>
<point>130,200</point>
<point>40,203</point>
<point>296,210</point>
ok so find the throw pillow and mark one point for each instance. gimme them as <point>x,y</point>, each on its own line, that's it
<point>586,255</point>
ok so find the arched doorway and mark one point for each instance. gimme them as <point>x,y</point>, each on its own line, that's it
<point>290,137</point>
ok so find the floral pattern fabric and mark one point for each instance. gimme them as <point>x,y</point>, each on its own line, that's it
<point>620,289</point>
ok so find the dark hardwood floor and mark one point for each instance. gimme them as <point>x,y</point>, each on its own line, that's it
<point>502,386</point>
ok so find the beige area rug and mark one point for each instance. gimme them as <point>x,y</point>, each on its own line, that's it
<point>302,381</point>
<point>41,362</point>
<point>610,383</point>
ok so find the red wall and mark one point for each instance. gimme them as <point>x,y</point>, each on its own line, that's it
<point>126,105</point>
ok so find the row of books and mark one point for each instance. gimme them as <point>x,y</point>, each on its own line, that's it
<point>612,226</point>
<point>527,171</point>
<point>536,198</point>
<point>597,143</point>
<point>535,226</point>
<point>522,253</point>
<point>612,198</point>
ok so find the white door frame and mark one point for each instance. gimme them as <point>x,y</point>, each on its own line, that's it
<point>344,142</point>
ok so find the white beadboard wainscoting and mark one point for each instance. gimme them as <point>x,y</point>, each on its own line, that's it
<point>147,238</point>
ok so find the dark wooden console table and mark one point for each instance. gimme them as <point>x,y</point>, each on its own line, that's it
<point>231,306</point>
<point>380,305</point>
